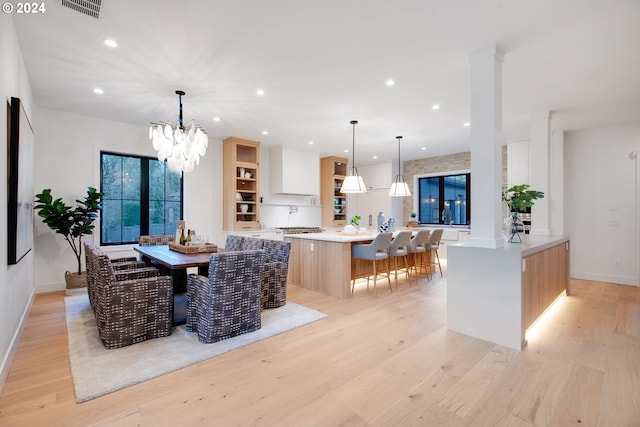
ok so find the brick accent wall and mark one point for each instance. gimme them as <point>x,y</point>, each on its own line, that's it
<point>438,165</point>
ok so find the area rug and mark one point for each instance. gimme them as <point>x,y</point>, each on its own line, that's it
<point>97,371</point>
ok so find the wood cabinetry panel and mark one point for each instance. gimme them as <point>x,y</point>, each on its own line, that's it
<point>545,277</point>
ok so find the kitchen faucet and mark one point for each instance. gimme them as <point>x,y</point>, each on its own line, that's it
<point>447,217</point>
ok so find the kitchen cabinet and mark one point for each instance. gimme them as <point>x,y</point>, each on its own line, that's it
<point>333,170</point>
<point>368,204</point>
<point>240,179</point>
<point>289,165</point>
<point>377,176</point>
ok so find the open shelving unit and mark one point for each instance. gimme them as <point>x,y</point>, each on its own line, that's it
<point>241,167</point>
<point>333,170</point>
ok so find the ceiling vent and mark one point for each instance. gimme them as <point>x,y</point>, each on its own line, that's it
<point>88,7</point>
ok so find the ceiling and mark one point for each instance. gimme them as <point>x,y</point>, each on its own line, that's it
<point>325,63</point>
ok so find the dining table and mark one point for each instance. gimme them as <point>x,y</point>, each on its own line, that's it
<point>175,263</point>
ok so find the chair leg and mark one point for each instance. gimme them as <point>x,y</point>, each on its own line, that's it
<point>406,268</point>
<point>389,273</point>
<point>439,266</point>
<point>375,277</point>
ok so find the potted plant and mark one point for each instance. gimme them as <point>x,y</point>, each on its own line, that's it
<point>518,198</point>
<point>413,222</point>
<point>72,223</point>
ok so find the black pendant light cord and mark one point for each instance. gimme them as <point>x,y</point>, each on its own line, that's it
<point>180,93</point>
<point>353,148</point>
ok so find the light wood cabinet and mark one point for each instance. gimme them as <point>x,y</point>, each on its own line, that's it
<point>333,170</point>
<point>240,179</point>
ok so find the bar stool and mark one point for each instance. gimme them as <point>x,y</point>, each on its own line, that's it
<point>432,245</point>
<point>399,248</point>
<point>417,247</point>
<point>374,251</point>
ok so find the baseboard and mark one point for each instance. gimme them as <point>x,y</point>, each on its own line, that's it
<point>15,341</point>
<point>619,280</point>
<point>50,287</point>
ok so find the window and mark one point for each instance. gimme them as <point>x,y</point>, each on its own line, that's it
<point>445,199</point>
<point>141,197</point>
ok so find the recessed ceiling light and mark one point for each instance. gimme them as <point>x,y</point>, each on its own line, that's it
<point>423,148</point>
<point>466,124</point>
<point>98,91</point>
<point>110,43</point>
<point>260,92</point>
<point>346,150</point>
<point>216,119</point>
<point>264,132</point>
<point>390,82</point>
<point>435,107</point>
<point>310,142</point>
<point>375,157</point>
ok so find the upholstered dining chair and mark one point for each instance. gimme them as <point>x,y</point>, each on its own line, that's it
<point>130,310</point>
<point>274,273</point>
<point>417,248</point>
<point>399,249</point>
<point>227,303</point>
<point>375,251</point>
<point>432,245</point>
<point>124,268</point>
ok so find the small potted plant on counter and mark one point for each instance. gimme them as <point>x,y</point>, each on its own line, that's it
<point>517,198</point>
<point>352,227</point>
<point>413,222</point>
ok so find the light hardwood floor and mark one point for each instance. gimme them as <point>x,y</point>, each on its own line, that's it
<point>381,361</point>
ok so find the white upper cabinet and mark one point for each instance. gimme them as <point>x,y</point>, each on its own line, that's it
<point>377,176</point>
<point>295,171</point>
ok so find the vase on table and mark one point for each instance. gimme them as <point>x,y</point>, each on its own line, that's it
<point>514,228</point>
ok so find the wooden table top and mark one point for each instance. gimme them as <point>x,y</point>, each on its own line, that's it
<point>173,259</point>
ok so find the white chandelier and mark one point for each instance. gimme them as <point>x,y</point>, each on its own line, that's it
<point>181,146</point>
<point>399,187</point>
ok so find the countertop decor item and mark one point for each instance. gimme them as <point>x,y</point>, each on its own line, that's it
<point>72,223</point>
<point>353,183</point>
<point>180,146</point>
<point>517,198</point>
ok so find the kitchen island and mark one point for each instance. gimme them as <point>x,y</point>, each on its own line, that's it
<point>497,294</point>
<point>322,261</point>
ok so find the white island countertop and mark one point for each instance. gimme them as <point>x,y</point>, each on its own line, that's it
<point>530,245</point>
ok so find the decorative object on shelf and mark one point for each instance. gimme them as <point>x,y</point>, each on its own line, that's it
<point>381,219</point>
<point>517,198</point>
<point>399,187</point>
<point>238,197</point>
<point>244,208</point>
<point>247,175</point>
<point>73,224</point>
<point>179,146</point>
<point>353,183</point>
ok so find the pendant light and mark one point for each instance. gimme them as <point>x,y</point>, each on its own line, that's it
<point>353,183</point>
<point>399,187</point>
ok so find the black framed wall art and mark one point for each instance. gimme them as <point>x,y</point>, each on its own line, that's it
<point>20,146</point>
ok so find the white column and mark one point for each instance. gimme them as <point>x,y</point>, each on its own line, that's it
<point>539,172</point>
<point>486,146</point>
<point>556,184</point>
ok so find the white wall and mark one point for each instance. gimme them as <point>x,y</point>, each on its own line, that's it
<point>67,161</point>
<point>16,281</point>
<point>601,203</point>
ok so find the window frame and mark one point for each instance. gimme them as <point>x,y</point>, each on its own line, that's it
<point>441,200</point>
<point>144,193</point>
